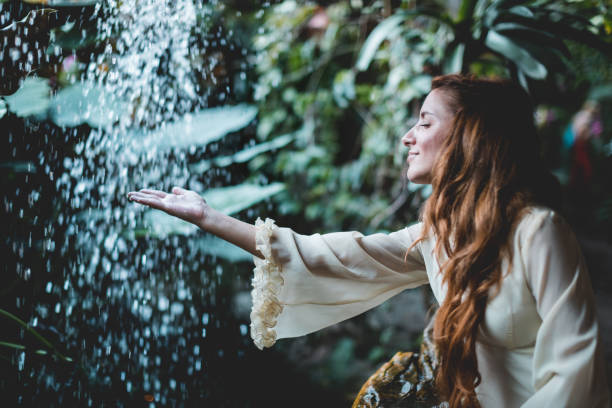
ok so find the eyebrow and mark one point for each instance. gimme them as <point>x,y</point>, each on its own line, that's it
<point>423,113</point>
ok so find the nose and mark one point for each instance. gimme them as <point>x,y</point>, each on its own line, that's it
<point>408,138</point>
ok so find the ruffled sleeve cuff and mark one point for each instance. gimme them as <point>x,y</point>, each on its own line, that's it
<point>267,283</point>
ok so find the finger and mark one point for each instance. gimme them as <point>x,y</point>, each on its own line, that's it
<point>157,193</point>
<point>133,194</point>
<point>142,194</point>
<point>136,196</point>
<point>179,190</point>
<point>151,201</point>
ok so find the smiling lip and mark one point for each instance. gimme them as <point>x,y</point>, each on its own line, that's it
<point>411,156</point>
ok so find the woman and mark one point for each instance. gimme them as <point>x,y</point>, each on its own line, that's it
<point>516,324</point>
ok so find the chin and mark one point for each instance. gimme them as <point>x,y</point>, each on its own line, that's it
<point>418,178</point>
<point>419,181</point>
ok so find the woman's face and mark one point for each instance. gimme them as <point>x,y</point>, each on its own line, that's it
<point>425,139</point>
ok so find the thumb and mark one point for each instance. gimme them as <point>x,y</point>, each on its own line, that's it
<point>179,190</point>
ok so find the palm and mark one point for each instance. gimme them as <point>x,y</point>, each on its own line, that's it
<point>181,203</point>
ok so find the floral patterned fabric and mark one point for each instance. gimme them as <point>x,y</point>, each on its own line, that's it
<point>407,380</point>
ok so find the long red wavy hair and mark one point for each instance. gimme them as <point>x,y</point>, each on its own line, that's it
<point>487,173</point>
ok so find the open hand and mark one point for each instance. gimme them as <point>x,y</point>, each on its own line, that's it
<point>185,204</point>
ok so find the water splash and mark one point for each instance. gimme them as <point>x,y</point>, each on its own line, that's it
<point>146,74</point>
<point>120,297</point>
<point>145,312</point>
<point>150,65</point>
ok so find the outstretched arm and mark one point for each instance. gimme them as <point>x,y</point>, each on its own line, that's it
<point>191,207</point>
<point>303,283</point>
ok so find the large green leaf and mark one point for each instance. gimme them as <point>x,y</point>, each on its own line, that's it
<point>523,80</point>
<point>243,156</point>
<point>522,11</point>
<point>466,10</point>
<point>31,99</point>
<point>84,102</point>
<point>578,29</point>
<point>551,57</point>
<point>454,61</point>
<point>89,103</point>
<point>513,52</point>
<point>160,225</point>
<point>196,129</point>
<point>214,246</point>
<point>505,11</point>
<point>390,26</point>
<point>230,200</point>
<point>519,32</point>
<point>382,31</point>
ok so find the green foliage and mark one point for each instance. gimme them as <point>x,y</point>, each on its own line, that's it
<point>225,199</point>
<point>71,36</point>
<point>383,31</point>
<point>242,156</point>
<point>522,39</point>
<point>341,358</point>
<point>529,35</point>
<point>196,129</point>
<point>31,99</point>
<point>527,64</point>
<point>218,248</point>
<point>88,103</point>
<point>35,334</point>
<point>160,225</point>
<point>345,166</point>
<point>349,97</point>
<point>85,103</point>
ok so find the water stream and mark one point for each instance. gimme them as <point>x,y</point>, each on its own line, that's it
<point>143,307</point>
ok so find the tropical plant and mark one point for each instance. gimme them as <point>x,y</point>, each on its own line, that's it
<point>343,169</point>
<point>526,37</point>
<point>346,82</point>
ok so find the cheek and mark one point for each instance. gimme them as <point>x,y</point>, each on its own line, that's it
<point>429,146</point>
<point>435,143</point>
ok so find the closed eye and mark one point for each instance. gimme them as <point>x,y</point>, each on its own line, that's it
<point>424,125</point>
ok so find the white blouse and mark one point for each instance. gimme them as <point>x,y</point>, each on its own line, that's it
<point>538,346</point>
